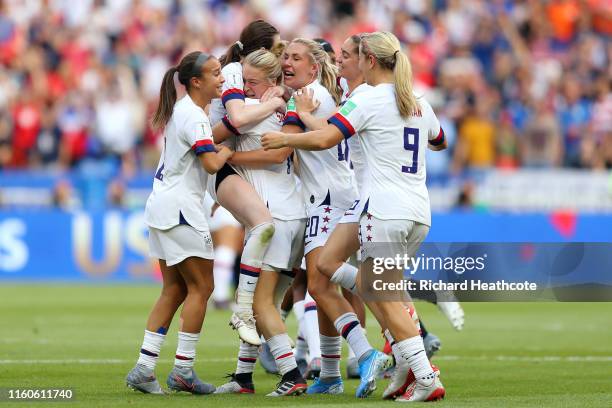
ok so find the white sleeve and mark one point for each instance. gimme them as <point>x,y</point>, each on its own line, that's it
<point>233,87</point>
<point>198,134</point>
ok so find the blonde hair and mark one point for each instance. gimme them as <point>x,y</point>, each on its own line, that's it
<point>386,48</point>
<point>267,62</point>
<point>327,72</point>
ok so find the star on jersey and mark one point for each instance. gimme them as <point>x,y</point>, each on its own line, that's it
<point>327,210</point>
<point>369,216</point>
<point>324,229</point>
<point>369,227</point>
<point>326,219</point>
<point>369,238</point>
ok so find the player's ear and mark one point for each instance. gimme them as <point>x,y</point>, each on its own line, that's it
<point>371,61</point>
<point>196,83</point>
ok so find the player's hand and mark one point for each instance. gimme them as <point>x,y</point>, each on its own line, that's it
<point>304,101</point>
<point>274,140</point>
<point>281,105</point>
<point>224,151</point>
<point>275,91</point>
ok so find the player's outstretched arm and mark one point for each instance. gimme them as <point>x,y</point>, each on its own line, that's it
<point>241,114</point>
<point>213,161</point>
<point>321,139</point>
<point>258,159</point>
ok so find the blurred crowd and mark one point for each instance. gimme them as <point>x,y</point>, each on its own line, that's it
<point>515,83</point>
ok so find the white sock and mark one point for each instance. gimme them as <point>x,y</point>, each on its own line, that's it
<point>247,356</point>
<point>281,350</point>
<point>311,327</point>
<point>223,270</point>
<point>149,352</point>
<point>351,353</point>
<point>256,244</point>
<point>346,276</point>
<point>348,326</point>
<point>301,347</point>
<point>186,349</point>
<point>298,309</point>
<point>331,349</point>
<point>412,352</point>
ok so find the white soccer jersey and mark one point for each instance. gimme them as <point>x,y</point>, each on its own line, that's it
<point>180,180</point>
<point>324,174</point>
<point>276,184</point>
<point>356,157</point>
<point>394,148</point>
<point>233,88</point>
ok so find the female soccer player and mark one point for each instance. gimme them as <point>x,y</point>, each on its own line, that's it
<point>393,127</point>
<point>272,176</point>
<point>327,185</point>
<point>343,242</point>
<point>229,189</point>
<point>351,82</point>
<point>178,233</point>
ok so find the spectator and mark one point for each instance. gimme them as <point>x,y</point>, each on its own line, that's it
<point>574,115</point>
<point>476,145</point>
<point>542,144</point>
<point>89,72</point>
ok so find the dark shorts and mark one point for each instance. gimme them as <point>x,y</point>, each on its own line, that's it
<point>222,174</point>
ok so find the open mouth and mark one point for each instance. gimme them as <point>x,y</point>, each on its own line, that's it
<point>288,74</point>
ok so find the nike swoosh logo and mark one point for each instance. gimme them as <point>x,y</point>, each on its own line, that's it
<point>307,242</point>
<point>250,283</point>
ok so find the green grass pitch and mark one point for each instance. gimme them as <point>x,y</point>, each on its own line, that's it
<point>509,354</point>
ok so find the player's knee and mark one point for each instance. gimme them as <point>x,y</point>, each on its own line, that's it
<point>175,293</point>
<point>325,264</point>
<point>267,232</point>
<point>317,289</point>
<point>206,289</point>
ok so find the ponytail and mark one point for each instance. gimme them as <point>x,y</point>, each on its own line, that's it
<point>402,79</point>
<point>189,67</point>
<point>329,74</point>
<point>231,55</point>
<point>167,99</point>
<point>386,49</point>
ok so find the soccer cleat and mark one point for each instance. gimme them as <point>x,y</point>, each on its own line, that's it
<point>233,386</point>
<point>141,378</point>
<point>420,391</point>
<point>432,344</point>
<point>302,366</point>
<point>244,323</point>
<point>402,378</point>
<point>453,312</point>
<point>266,359</point>
<point>314,369</point>
<point>352,368</point>
<point>319,387</point>
<point>288,387</point>
<point>369,369</point>
<point>185,379</point>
